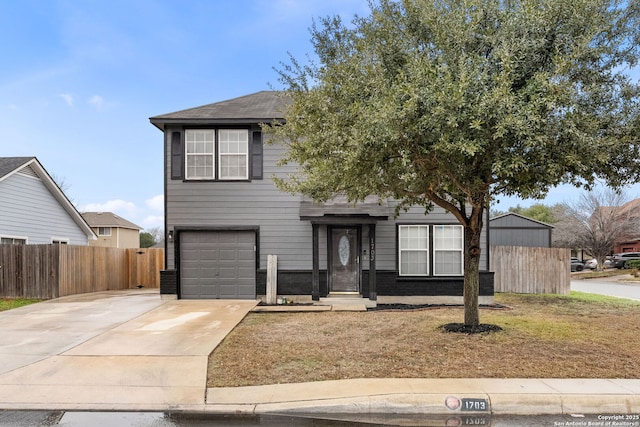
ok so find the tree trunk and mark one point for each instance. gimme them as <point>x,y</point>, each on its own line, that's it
<point>472,232</point>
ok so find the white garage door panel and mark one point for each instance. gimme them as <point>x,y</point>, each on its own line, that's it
<point>217,264</point>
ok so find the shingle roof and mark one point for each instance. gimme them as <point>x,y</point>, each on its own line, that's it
<point>9,164</point>
<point>258,107</point>
<point>107,219</point>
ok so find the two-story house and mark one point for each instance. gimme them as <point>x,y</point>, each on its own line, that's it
<point>112,230</point>
<point>224,216</point>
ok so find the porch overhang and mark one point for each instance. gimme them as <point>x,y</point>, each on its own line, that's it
<point>339,210</point>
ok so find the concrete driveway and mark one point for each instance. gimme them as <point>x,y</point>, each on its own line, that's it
<point>120,350</point>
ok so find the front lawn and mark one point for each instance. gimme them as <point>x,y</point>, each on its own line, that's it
<point>544,336</point>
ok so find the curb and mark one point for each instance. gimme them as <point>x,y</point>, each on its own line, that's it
<point>432,397</point>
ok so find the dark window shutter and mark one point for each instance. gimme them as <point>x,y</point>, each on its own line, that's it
<point>177,162</point>
<point>256,155</point>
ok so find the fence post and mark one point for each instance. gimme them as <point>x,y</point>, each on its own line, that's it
<point>272,279</point>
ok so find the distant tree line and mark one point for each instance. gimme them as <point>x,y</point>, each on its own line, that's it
<point>151,237</point>
<point>593,223</point>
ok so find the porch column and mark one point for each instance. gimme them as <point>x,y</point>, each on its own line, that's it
<point>373,293</point>
<point>315,275</point>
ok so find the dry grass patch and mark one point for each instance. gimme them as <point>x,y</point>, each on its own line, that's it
<point>543,337</point>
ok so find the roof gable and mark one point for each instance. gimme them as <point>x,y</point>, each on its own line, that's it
<point>9,165</point>
<point>31,166</point>
<point>500,220</point>
<point>264,106</point>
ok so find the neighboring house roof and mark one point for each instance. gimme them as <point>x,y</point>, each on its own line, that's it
<point>108,219</point>
<point>259,107</point>
<point>629,210</point>
<point>497,219</point>
<point>31,165</point>
<point>10,165</point>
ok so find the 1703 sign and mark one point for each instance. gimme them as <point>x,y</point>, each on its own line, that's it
<point>467,404</point>
<point>476,405</point>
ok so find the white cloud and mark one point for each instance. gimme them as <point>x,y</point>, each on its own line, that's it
<point>68,98</point>
<point>156,203</point>
<point>97,101</point>
<point>125,209</point>
<point>152,221</point>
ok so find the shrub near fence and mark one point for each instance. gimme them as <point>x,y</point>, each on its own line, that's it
<point>531,270</point>
<point>51,271</point>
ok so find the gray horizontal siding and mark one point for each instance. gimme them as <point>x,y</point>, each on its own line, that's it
<point>28,209</point>
<point>281,232</point>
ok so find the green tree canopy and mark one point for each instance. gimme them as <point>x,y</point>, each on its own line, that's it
<point>453,102</point>
<point>146,240</point>
<point>537,211</point>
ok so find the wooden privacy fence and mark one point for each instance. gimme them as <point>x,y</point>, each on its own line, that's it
<point>52,271</point>
<point>530,270</point>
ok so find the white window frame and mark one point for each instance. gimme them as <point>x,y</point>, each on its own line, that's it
<point>13,240</point>
<point>451,245</point>
<point>200,154</point>
<point>205,146</point>
<point>103,233</point>
<point>405,247</point>
<point>222,154</point>
<point>59,240</point>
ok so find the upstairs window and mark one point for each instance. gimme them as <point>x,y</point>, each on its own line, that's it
<point>104,231</point>
<point>200,154</point>
<point>229,146</point>
<point>234,153</point>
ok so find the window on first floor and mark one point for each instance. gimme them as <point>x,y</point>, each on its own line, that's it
<point>13,240</point>
<point>59,241</point>
<point>448,250</point>
<point>217,154</point>
<point>104,231</point>
<point>414,250</point>
<point>430,250</point>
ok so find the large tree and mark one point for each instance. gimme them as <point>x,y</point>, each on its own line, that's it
<point>453,102</point>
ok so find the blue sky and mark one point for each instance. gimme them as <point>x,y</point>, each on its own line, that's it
<point>80,78</point>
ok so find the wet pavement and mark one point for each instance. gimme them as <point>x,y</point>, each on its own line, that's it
<point>164,419</point>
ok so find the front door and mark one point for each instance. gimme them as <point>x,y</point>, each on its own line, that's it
<point>344,256</point>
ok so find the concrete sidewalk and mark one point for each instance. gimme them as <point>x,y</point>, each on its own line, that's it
<point>433,396</point>
<point>133,351</point>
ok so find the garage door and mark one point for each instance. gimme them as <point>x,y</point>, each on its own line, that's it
<point>217,265</point>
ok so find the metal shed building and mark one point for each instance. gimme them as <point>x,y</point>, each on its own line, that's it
<point>512,229</point>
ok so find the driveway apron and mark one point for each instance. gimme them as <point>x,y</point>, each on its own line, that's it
<point>122,350</point>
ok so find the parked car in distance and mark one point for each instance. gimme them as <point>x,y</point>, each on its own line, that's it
<point>591,264</point>
<point>620,260</point>
<point>576,264</point>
